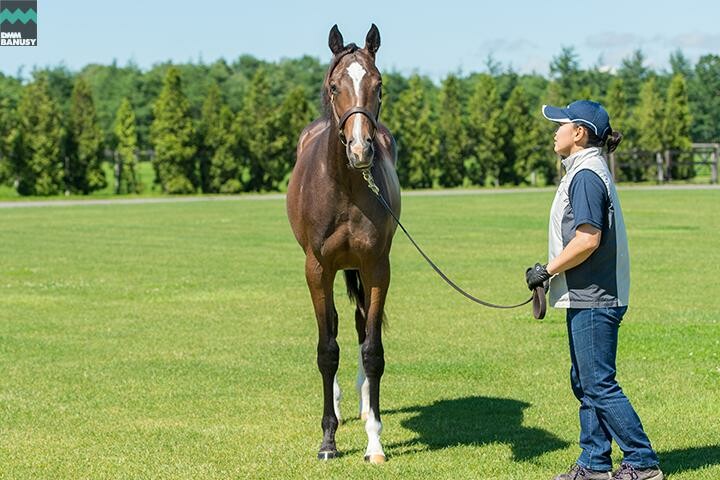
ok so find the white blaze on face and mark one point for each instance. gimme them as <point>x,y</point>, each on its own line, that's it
<point>356,72</point>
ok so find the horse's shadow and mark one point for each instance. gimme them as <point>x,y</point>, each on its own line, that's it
<point>695,458</point>
<point>477,421</point>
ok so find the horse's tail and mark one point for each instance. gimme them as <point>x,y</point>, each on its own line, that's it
<point>356,292</point>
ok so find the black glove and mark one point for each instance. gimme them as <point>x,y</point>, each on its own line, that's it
<point>536,276</point>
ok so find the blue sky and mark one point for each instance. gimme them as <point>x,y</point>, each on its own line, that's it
<point>431,38</point>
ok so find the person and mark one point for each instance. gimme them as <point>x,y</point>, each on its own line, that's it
<point>589,275</point>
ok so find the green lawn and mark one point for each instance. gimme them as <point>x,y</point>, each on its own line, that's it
<point>177,341</point>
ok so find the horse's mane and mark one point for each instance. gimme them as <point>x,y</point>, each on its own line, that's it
<point>325,98</point>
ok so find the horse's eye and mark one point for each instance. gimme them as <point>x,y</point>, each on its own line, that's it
<point>333,88</point>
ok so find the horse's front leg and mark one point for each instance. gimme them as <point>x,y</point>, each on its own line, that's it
<point>361,384</point>
<point>320,283</point>
<point>376,281</point>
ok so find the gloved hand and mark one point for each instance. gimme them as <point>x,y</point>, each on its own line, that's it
<point>536,276</point>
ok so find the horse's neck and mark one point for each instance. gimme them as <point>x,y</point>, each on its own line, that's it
<point>336,162</point>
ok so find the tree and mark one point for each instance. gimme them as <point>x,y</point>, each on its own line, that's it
<point>293,115</point>
<point>676,128</point>
<point>224,171</point>
<point>565,71</point>
<point>487,133</point>
<point>173,138</point>
<point>127,144</point>
<point>209,118</point>
<point>525,143</point>
<point>705,99</point>
<point>10,141</point>
<point>258,142</point>
<point>649,115</point>
<point>453,137</point>
<point>39,170</point>
<point>633,72</point>
<point>416,136</point>
<point>84,173</point>
<point>679,64</point>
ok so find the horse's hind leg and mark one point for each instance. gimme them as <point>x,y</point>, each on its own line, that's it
<point>320,283</point>
<point>376,281</point>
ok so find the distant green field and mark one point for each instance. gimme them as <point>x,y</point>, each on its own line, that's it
<point>177,341</point>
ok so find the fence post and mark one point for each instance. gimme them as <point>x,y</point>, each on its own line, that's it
<point>714,165</point>
<point>659,161</point>
<point>612,166</point>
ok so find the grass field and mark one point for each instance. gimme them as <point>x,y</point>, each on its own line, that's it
<point>177,341</point>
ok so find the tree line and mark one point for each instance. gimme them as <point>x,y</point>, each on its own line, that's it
<point>232,127</point>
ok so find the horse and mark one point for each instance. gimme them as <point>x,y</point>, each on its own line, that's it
<point>341,225</point>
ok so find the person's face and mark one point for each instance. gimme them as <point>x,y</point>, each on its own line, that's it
<point>568,138</point>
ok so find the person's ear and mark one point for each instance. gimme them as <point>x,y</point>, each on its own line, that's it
<point>580,135</point>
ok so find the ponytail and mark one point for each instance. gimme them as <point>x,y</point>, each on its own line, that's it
<point>613,140</point>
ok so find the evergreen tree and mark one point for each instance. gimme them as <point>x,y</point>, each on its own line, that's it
<point>565,72</point>
<point>649,117</point>
<point>526,142</point>
<point>209,119</point>
<point>10,141</point>
<point>633,73</point>
<point>487,133</point>
<point>680,65</point>
<point>705,99</point>
<point>416,136</point>
<point>39,170</point>
<point>173,137</point>
<point>621,120</point>
<point>222,142</point>
<point>676,128</point>
<point>293,115</point>
<point>85,173</point>
<point>127,144</point>
<point>453,137</point>
<point>257,135</point>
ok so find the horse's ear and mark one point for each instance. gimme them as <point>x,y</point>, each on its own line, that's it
<point>372,40</point>
<point>335,41</point>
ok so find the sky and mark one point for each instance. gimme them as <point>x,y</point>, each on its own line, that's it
<point>429,38</point>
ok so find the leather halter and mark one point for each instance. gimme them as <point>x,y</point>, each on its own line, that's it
<point>342,120</point>
<point>352,111</point>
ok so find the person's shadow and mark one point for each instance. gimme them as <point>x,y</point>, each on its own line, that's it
<point>476,421</point>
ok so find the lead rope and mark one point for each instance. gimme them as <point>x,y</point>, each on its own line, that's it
<point>538,296</point>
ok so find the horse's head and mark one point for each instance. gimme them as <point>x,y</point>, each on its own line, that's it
<point>353,89</point>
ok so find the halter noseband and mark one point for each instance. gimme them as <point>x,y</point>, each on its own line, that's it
<point>355,110</point>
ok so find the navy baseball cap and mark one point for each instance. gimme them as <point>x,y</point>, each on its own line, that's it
<point>587,112</point>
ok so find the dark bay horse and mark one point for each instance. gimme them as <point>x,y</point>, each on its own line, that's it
<point>341,225</point>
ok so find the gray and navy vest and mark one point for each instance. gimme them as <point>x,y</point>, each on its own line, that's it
<point>603,280</point>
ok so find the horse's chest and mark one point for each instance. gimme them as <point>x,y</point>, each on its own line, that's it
<point>347,243</point>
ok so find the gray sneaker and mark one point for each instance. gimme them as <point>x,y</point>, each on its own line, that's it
<point>628,472</point>
<point>578,472</point>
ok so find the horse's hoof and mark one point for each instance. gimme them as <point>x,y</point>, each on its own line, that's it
<point>327,454</point>
<point>375,459</point>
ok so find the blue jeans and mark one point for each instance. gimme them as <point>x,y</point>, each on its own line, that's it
<point>605,411</point>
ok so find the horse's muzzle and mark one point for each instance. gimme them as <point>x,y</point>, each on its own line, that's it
<point>360,154</point>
